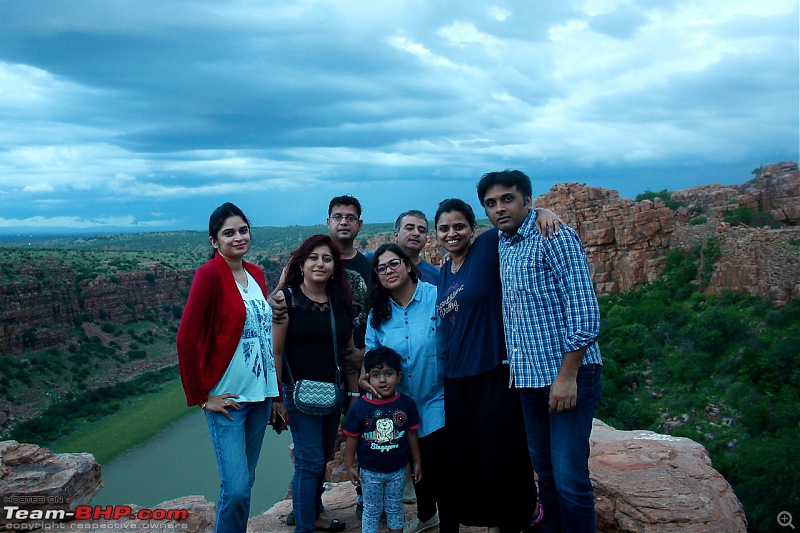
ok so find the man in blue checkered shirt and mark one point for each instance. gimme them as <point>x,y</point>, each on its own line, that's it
<point>551,320</point>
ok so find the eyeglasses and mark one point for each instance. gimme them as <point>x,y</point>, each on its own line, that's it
<point>392,264</point>
<point>338,218</point>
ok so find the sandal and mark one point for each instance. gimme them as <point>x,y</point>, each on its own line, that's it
<point>533,525</point>
<point>336,526</point>
<point>290,517</point>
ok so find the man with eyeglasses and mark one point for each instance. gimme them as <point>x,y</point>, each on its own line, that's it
<point>411,234</point>
<point>344,223</point>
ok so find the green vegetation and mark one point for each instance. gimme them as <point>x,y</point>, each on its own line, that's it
<point>747,216</point>
<point>86,361</point>
<point>663,194</point>
<point>723,370</point>
<point>71,414</point>
<point>182,246</point>
<point>140,418</point>
<point>89,264</point>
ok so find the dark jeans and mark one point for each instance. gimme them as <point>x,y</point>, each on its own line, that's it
<point>559,448</point>
<point>314,438</point>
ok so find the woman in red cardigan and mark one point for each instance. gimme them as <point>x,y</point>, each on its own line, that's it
<point>226,361</point>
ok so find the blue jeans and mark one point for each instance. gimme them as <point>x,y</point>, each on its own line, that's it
<point>314,438</point>
<point>382,492</point>
<point>559,448</point>
<point>237,445</point>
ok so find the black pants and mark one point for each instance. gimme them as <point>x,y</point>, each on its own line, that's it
<point>492,479</point>
<point>434,489</point>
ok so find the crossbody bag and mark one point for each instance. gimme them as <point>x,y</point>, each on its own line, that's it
<point>318,397</point>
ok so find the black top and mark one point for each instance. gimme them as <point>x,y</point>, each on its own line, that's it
<point>309,338</point>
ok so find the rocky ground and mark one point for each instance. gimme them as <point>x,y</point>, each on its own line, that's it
<point>339,500</point>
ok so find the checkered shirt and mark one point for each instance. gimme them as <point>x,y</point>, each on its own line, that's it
<point>549,304</point>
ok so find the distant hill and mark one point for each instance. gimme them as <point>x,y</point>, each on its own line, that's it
<point>266,239</point>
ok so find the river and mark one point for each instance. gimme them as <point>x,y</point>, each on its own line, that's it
<point>180,461</point>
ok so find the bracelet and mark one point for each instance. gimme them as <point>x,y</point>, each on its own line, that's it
<point>203,406</point>
<point>354,394</point>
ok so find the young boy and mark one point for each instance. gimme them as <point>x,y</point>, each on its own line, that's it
<point>384,430</point>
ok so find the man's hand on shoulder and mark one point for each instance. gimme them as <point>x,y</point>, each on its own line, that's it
<point>277,302</point>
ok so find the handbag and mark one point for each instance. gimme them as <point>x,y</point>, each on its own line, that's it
<point>318,397</point>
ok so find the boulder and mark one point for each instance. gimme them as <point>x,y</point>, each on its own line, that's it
<point>199,518</point>
<point>36,479</point>
<point>645,481</point>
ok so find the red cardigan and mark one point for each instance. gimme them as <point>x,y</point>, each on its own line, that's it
<point>211,327</point>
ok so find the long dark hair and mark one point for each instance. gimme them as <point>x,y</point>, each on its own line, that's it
<point>338,286</point>
<point>378,296</point>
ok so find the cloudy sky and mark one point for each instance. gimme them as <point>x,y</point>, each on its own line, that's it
<point>144,115</point>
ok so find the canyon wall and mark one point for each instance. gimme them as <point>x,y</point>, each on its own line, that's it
<point>627,242</point>
<point>43,304</point>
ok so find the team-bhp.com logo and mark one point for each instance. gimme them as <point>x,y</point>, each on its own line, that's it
<point>15,513</point>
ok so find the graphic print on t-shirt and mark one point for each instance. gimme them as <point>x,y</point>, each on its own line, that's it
<point>358,288</point>
<point>449,306</point>
<point>256,337</point>
<point>385,437</point>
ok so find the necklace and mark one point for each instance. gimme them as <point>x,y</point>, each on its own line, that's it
<point>456,267</point>
<point>246,285</point>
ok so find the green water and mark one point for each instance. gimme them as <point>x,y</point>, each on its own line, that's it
<point>180,462</point>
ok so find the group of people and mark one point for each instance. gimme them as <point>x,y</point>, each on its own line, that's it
<point>470,377</point>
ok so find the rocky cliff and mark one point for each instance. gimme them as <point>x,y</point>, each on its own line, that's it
<point>40,307</point>
<point>627,242</point>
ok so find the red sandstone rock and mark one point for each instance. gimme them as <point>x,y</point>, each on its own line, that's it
<point>200,518</point>
<point>627,242</point>
<point>644,481</point>
<point>35,478</point>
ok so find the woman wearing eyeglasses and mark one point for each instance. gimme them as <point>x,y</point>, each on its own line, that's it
<point>403,317</point>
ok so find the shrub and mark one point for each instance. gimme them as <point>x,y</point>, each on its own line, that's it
<point>740,215</point>
<point>137,354</point>
<point>663,194</point>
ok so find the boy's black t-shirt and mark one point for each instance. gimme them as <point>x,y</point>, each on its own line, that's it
<point>382,428</point>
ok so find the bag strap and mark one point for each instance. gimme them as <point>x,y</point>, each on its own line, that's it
<point>335,344</point>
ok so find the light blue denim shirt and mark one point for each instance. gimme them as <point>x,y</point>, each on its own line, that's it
<point>415,333</point>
